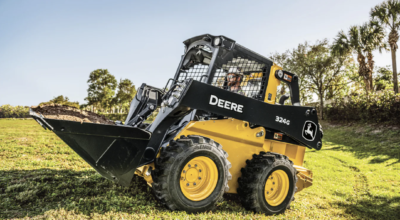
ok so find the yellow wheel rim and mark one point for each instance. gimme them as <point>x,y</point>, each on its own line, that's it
<point>276,187</point>
<point>199,178</point>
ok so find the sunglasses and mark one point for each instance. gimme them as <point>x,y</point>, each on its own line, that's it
<point>231,76</point>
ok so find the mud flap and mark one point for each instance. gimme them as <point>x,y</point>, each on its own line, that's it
<point>114,151</point>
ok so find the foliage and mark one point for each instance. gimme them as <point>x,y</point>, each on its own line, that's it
<point>388,15</point>
<point>101,89</point>
<point>355,177</point>
<point>126,93</point>
<point>374,107</point>
<point>8,111</point>
<point>102,95</point>
<point>383,78</point>
<point>319,71</point>
<point>361,41</point>
<point>62,101</point>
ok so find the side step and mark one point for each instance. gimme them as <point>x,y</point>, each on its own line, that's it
<point>304,178</point>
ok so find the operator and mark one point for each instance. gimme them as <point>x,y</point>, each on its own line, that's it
<point>234,78</point>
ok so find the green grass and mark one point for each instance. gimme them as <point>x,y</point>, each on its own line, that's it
<point>356,176</point>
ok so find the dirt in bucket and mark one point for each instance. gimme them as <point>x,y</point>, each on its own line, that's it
<point>55,111</point>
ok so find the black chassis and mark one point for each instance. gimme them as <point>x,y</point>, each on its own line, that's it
<point>197,96</point>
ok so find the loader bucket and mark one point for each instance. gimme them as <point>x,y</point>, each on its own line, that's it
<point>114,151</point>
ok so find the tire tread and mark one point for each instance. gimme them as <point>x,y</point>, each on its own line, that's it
<point>164,164</point>
<point>252,174</point>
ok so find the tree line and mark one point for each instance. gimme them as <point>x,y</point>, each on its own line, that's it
<point>330,71</point>
<point>104,93</point>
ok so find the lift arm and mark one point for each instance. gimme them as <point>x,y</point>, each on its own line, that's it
<point>298,122</point>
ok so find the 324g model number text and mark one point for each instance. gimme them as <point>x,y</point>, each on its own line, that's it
<point>282,120</point>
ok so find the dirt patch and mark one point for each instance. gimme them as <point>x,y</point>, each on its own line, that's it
<point>376,131</point>
<point>23,139</point>
<point>71,114</point>
<point>360,130</point>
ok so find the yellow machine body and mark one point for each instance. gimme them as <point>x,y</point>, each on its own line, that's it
<point>241,142</point>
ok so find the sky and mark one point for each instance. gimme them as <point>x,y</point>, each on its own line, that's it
<point>49,48</point>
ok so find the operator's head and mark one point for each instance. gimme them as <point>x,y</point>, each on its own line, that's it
<point>234,76</point>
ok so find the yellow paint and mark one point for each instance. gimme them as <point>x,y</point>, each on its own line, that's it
<point>294,152</point>
<point>199,178</point>
<point>276,187</point>
<point>251,77</point>
<point>273,84</point>
<point>240,142</point>
<point>142,171</point>
<point>304,178</point>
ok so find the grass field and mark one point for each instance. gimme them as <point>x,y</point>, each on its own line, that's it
<point>356,176</point>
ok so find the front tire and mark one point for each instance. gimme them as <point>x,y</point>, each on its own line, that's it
<point>191,174</point>
<point>268,183</point>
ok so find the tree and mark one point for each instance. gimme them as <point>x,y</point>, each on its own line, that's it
<point>101,90</point>
<point>383,78</point>
<point>361,41</point>
<point>126,92</point>
<point>374,35</point>
<point>387,13</point>
<point>61,100</point>
<point>320,71</point>
<point>285,61</point>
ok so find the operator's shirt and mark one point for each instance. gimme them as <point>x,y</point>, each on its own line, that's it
<point>238,90</point>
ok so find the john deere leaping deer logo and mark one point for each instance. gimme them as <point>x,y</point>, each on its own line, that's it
<point>309,130</point>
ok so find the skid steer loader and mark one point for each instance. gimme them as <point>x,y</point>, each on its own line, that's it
<point>210,136</point>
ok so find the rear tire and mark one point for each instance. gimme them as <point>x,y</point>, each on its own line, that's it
<point>191,174</point>
<point>268,183</point>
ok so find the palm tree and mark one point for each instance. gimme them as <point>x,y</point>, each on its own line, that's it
<point>361,40</point>
<point>372,36</point>
<point>387,13</point>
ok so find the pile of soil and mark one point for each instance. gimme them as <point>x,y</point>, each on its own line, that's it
<point>62,112</point>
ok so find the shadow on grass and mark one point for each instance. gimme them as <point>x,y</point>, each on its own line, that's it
<point>375,207</point>
<point>383,146</point>
<point>33,192</point>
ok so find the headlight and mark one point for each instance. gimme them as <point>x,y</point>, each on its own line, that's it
<point>217,41</point>
<point>280,73</point>
<point>171,100</point>
<point>175,95</point>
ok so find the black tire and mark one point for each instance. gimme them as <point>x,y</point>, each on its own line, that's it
<point>168,168</point>
<point>254,177</point>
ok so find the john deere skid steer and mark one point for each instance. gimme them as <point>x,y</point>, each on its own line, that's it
<point>218,130</point>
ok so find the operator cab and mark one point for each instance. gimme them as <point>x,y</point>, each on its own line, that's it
<point>208,59</point>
